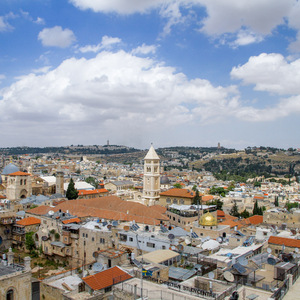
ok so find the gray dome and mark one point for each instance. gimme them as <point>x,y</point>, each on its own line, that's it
<point>10,168</point>
<point>164,180</point>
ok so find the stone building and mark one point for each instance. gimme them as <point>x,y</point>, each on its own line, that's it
<point>208,226</point>
<point>151,181</point>
<point>15,280</point>
<point>176,196</point>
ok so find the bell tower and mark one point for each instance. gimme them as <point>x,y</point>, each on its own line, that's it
<point>59,181</point>
<point>151,184</point>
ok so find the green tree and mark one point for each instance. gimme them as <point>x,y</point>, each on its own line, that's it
<point>194,188</point>
<point>29,241</point>
<point>234,210</point>
<point>92,181</point>
<point>72,193</point>
<point>218,203</point>
<point>245,214</point>
<point>197,198</point>
<point>177,185</point>
<point>257,184</point>
<point>276,203</point>
<point>255,209</point>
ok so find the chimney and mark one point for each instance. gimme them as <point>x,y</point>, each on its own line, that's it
<point>10,257</point>
<point>27,266</point>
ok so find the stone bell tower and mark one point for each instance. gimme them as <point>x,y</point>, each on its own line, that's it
<point>59,181</point>
<point>151,184</point>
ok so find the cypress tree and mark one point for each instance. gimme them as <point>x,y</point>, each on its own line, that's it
<point>72,193</point>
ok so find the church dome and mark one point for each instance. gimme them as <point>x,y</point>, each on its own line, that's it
<point>208,219</point>
<point>10,168</point>
<point>164,179</point>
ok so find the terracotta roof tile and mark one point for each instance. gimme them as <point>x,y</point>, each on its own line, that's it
<point>91,192</point>
<point>106,278</point>
<point>29,221</point>
<point>73,220</point>
<point>112,208</point>
<point>19,173</point>
<point>220,213</point>
<point>284,241</point>
<point>40,210</point>
<point>175,192</point>
<point>256,219</point>
<point>207,198</point>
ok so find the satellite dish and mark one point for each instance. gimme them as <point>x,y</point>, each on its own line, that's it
<point>271,261</point>
<point>171,236</point>
<point>220,240</point>
<point>114,223</point>
<point>269,250</point>
<point>243,262</point>
<point>211,275</point>
<point>297,250</point>
<point>173,248</point>
<point>180,248</point>
<point>97,267</point>
<point>228,276</point>
<point>51,212</point>
<point>187,241</point>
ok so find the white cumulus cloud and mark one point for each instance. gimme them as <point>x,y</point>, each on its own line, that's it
<point>270,73</point>
<point>56,37</point>
<point>106,43</point>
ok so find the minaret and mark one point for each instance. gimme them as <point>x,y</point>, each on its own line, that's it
<point>151,187</point>
<point>59,181</point>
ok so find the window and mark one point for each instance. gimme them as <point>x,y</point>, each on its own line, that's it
<point>10,294</point>
<point>150,245</point>
<point>93,239</point>
<point>265,233</point>
<point>175,201</point>
<point>168,200</point>
<point>181,201</point>
<point>102,240</point>
<point>130,239</point>
<point>163,247</point>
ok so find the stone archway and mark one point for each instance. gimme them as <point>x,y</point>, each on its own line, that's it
<point>23,194</point>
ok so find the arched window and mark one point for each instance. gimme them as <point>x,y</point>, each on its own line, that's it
<point>10,294</point>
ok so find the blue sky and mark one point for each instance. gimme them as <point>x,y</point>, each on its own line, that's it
<point>171,72</point>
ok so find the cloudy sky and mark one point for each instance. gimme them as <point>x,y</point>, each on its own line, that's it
<point>171,72</point>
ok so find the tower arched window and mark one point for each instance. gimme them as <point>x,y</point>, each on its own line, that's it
<point>10,294</point>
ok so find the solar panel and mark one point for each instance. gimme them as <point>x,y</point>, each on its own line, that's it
<point>239,268</point>
<point>135,227</point>
<point>194,235</point>
<point>137,263</point>
<point>104,223</point>
<point>163,229</point>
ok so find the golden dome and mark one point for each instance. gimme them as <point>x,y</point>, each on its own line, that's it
<point>208,219</point>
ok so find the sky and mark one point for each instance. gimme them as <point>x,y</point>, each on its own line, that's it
<point>167,72</point>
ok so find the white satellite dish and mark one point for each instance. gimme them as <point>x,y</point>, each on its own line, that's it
<point>220,240</point>
<point>297,250</point>
<point>228,276</point>
<point>211,275</point>
<point>243,261</point>
<point>97,267</point>
<point>187,241</point>
<point>51,212</point>
<point>269,250</point>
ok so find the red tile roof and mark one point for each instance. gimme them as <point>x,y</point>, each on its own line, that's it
<point>284,241</point>
<point>19,173</point>
<point>256,219</point>
<point>40,210</point>
<point>106,278</point>
<point>112,208</point>
<point>220,213</point>
<point>73,220</point>
<point>175,192</point>
<point>29,221</point>
<point>91,192</point>
<point>207,198</point>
